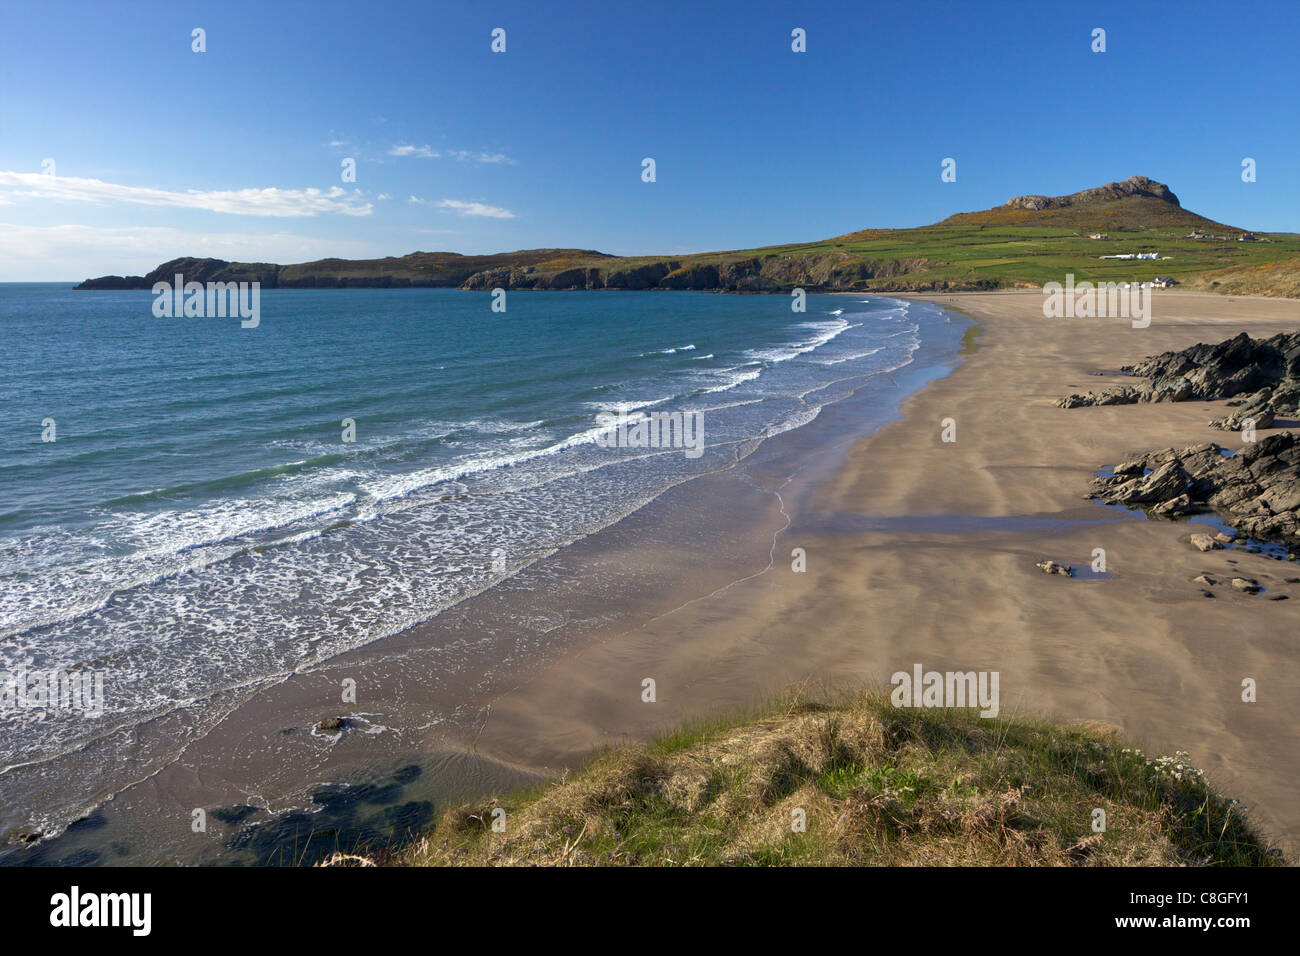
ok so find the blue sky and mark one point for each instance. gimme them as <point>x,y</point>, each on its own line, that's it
<point>160,151</point>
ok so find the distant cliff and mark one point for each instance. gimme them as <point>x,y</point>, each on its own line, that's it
<point>536,269</point>
<point>835,271</point>
<point>419,269</point>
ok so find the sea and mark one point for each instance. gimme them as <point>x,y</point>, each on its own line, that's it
<point>191,507</point>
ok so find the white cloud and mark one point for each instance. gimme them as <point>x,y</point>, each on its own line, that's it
<point>466,155</point>
<point>463,155</point>
<point>422,152</point>
<point>465,208</point>
<point>475,209</point>
<point>73,252</point>
<point>238,202</point>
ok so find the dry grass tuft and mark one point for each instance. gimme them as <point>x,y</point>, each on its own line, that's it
<point>874,785</point>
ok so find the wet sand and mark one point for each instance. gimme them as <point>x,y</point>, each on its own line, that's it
<point>917,551</point>
<point>425,697</point>
<point>920,551</point>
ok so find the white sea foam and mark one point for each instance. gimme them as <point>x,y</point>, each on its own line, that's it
<point>839,360</point>
<point>672,351</point>
<point>186,597</point>
<point>628,406</point>
<point>825,332</point>
<point>733,377</point>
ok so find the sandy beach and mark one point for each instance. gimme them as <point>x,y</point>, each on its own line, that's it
<point>917,551</point>
<point>921,551</point>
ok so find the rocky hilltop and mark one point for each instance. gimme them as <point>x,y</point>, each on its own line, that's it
<point>1136,204</point>
<point>1133,186</point>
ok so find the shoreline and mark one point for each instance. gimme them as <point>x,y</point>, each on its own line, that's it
<point>1140,649</point>
<point>914,547</point>
<point>425,694</point>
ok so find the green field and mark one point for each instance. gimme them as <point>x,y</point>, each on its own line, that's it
<point>1033,255</point>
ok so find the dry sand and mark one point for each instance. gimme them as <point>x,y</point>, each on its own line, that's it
<point>920,551</point>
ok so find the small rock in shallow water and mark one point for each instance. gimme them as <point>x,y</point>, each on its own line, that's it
<point>1207,594</point>
<point>332,724</point>
<point>1204,579</point>
<point>1250,586</point>
<point>1203,542</point>
<point>1051,567</point>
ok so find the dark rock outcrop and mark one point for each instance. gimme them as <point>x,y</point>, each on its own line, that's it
<point>111,283</point>
<point>1264,373</point>
<point>1257,490</point>
<point>1258,408</point>
<point>194,270</point>
<point>640,277</point>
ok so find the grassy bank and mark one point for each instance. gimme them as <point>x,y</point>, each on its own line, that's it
<point>877,785</point>
<point>1276,278</point>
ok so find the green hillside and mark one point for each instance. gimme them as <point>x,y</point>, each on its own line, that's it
<point>1026,242</point>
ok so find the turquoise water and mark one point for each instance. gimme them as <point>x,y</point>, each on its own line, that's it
<point>200,523</point>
